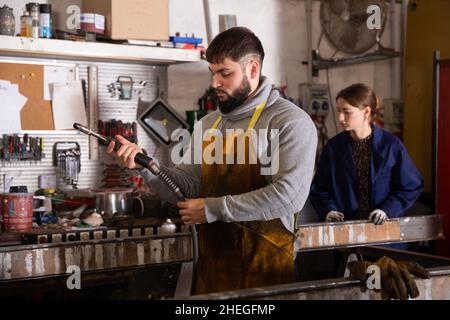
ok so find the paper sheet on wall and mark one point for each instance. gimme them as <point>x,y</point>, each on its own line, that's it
<point>4,84</point>
<point>12,103</point>
<point>56,74</point>
<point>68,105</point>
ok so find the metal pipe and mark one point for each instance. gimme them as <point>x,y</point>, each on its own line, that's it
<point>403,49</point>
<point>207,15</point>
<point>435,129</point>
<point>355,233</point>
<point>308,10</point>
<point>93,110</point>
<point>393,62</point>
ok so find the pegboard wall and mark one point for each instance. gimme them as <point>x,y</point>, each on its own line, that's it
<point>27,172</point>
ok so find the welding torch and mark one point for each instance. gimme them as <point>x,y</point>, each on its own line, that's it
<point>147,162</point>
<point>140,158</point>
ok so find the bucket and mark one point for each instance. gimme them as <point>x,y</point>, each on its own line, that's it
<point>17,211</point>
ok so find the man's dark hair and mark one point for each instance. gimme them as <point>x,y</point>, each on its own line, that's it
<point>235,44</point>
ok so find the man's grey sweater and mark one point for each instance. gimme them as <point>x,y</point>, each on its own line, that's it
<point>288,187</point>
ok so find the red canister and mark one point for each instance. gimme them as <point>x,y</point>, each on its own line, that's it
<point>17,210</point>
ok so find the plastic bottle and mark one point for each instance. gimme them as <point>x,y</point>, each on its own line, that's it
<point>33,8</point>
<point>45,21</point>
<point>25,24</point>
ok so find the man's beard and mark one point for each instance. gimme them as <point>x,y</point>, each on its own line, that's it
<point>237,98</point>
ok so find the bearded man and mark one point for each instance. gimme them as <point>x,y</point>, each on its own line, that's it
<point>245,214</point>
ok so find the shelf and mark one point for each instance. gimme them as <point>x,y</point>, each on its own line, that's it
<point>94,51</point>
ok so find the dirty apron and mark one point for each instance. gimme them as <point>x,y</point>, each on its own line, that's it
<point>240,255</point>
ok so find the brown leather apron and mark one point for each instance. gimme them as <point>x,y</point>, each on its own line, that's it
<point>240,255</point>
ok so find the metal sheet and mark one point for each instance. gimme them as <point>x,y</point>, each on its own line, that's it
<point>23,262</point>
<point>362,232</point>
<point>436,288</point>
<point>346,233</point>
<point>373,253</point>
<point>421,227</point>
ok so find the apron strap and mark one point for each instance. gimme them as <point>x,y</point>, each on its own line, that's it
<point>256,115</point>
<point>216,124</point>
<point>253,120</point>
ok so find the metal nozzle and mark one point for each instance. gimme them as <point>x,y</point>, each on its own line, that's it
<point>87,131</point>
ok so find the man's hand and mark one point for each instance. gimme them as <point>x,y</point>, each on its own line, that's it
<point>192,211</point>
<point>396,279</point>
<point>126,153</point>
<point>378,216</point>
<point>334,216</point>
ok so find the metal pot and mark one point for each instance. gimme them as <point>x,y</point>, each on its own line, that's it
<point>118,201</point>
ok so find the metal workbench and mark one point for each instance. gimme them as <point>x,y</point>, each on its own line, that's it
<point>163,259</point>
<point>364,239</point>
<point>134,253</point>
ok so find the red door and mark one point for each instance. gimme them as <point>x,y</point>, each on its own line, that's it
<point>443,153</point>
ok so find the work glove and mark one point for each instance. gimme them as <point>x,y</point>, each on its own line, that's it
<point>378,216</point>
<point>334,216</point>
<point>397,281</point>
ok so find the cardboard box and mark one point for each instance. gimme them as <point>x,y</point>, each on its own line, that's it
<point>132,19</point>
<point>92,22</point>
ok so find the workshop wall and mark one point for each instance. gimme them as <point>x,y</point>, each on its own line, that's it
<point>429,30</point>
<point>27,172</point>
<point>281,26</point>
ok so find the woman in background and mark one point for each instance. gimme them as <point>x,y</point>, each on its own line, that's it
<point>364,172</point>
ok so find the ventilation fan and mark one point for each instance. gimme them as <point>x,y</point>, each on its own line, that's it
<point>344,23</point>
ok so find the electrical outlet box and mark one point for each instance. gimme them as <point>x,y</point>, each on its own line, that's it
<point>315,99</point>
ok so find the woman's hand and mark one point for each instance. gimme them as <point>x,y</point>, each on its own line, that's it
<point>334,216</point>
<point>378,216</point>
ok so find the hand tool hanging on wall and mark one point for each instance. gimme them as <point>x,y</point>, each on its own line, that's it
<point>15,148</point>
<point>113,127</point>
<point>67,157</point>
<point>115,176</point>
<point>125,86</point>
